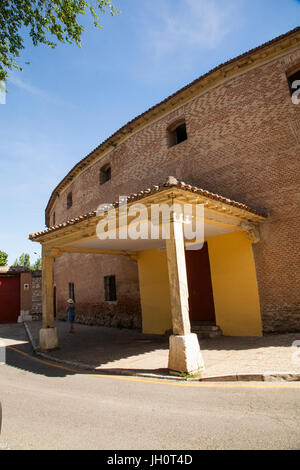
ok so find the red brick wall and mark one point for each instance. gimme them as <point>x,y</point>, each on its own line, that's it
<point>87,273</point>
<point>243,143</point>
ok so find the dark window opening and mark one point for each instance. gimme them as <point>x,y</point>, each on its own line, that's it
<point>177,134</point>
<point>105,174</point>
<point>69,200</point>
<point>292,79</point>
<point>71,291</point>
<point>53,218</point>
<point>110,288</point>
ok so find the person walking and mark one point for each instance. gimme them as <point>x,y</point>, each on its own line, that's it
<point>71,314</point>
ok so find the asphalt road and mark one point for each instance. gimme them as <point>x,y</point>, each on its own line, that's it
<point>48,407</point>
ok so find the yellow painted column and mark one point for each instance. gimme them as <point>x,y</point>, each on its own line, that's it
<point>154,291</point>
<point>234,283</point>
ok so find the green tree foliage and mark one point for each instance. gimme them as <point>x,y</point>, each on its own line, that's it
<point>23,260</point>
<point>37,265</point>
<point>47,21</point>
<point>3,258</point>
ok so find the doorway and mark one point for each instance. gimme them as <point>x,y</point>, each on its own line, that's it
<point>201,300</point>
<point>9,299</point>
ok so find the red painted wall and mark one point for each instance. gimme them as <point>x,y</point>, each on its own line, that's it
<point>9,299</point>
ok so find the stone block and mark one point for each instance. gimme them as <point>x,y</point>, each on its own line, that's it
<point>48,339</point>
<point>185,355</point>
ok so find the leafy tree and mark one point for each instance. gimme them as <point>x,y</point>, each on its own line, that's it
<point>3,258</point>
<point>37,265</point>
<point>23,260</point>
<point>48,21</point>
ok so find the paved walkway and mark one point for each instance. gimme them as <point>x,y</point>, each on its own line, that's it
<point>127,350</point>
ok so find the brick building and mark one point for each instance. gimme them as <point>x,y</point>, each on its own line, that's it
<point>231,137</point>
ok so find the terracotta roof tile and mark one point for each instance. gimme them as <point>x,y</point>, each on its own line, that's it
<point>171,182</point>
<point>14,270</point>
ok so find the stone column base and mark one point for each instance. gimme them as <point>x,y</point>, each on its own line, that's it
<point>185,355</point>
<point>48,339</point>
<point>24,316</point>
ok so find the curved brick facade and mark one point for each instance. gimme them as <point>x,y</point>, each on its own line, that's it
<point>243,143</point>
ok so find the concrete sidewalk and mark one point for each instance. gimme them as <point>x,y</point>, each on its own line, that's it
<point>121,351</point>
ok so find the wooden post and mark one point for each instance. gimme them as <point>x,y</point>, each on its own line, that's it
<point>48,333</point>
<point>179,295</point>
<point>184,349</point>
<point>47,291</point>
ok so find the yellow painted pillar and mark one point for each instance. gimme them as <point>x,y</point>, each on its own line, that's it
<point>234,283</point>
<point>154,291</point>
<point>184,349</point>
<point>48,333</point>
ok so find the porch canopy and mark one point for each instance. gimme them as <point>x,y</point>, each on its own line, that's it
<point>127,228</point>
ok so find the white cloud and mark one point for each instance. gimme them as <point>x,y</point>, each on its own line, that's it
<point>192,23</point>
<point>38,92</point>
<point>27,87</point>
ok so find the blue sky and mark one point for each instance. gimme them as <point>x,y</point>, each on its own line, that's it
<point>68,100</point>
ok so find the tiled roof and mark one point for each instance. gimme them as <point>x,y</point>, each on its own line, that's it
<point>14,270</point>
<point>171,182</point>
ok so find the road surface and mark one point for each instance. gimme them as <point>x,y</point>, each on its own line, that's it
<point>46,406</point>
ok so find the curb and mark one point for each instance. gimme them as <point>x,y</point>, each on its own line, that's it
<point>264,377</point>
<point>30,337</point>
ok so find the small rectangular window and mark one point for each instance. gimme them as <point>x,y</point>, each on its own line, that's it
<point>181,134</point>
<point>53,218</point>
<point>69,200</point>
<point>105,174</point>
<point>177,134</point>
<point>71,291</point>
<point>294,82</point>
<point>110,288</point>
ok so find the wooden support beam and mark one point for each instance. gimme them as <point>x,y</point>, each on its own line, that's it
<point>184,352</point>
<point>96,252</point>
<point>47,290</point>
<point>48,333</point>
<point>179,296</point>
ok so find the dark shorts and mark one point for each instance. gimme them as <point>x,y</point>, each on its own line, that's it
<point>71,316</point>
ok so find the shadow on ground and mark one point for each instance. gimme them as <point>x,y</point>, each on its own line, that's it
<point>129,352</point>
<point>98,346</point>
<point>239,343</point>
<point>93,346</point>
<point>17,352</point>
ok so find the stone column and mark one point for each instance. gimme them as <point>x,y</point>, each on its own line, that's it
<point>184,352</point>
<point>48,333</point>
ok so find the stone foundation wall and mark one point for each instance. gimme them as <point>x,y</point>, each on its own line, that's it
<point>281,322</point>
<point>36,293</point>
<point>108,319</point>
